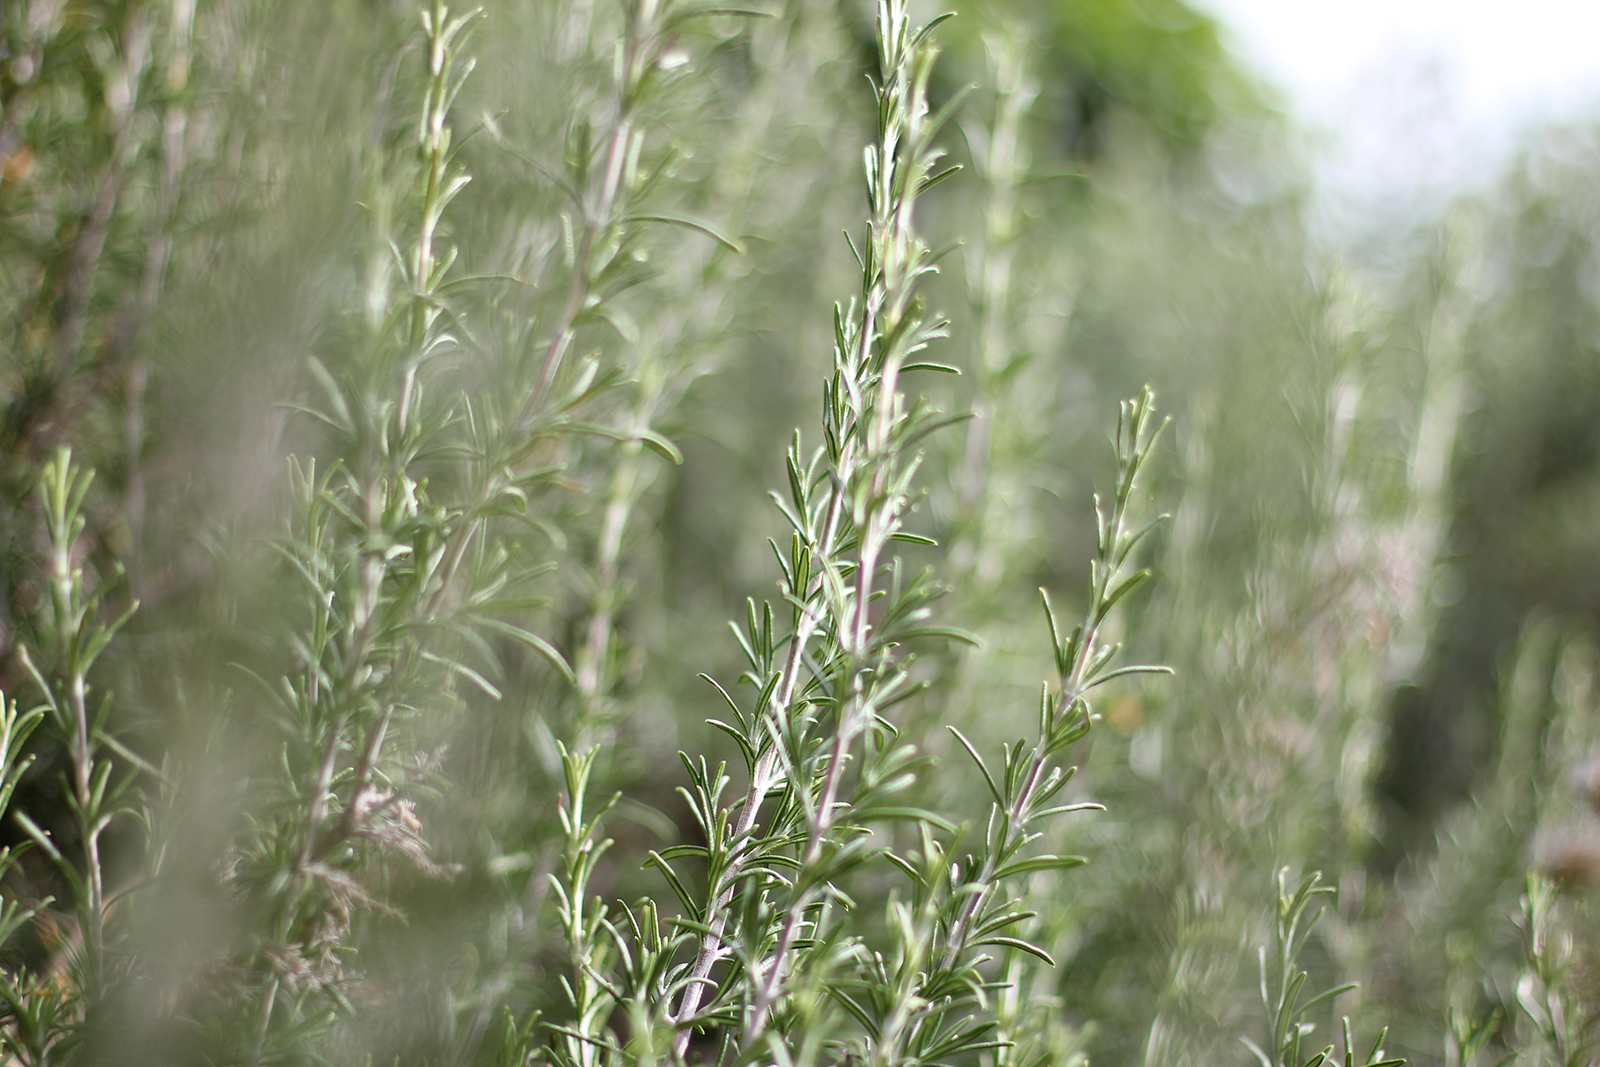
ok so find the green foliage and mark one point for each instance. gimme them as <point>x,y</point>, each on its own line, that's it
<point>1286,1013</point>
<point>432,368</point>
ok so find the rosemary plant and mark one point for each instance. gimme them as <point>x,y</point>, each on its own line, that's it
<point>402,585</point>
<point>1561,1023</point>
<point>776,968</point>
<point>1282,983</point>
<point>43,1017</point>
<point>847,502</point>
<point>977,904</point>
<point>51,1013</point>
<point>617,167</point>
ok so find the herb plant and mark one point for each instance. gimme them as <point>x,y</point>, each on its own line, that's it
<point>428,366</point>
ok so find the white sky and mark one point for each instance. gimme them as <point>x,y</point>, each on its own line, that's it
<point>1417,99</point>
<point>1505,56</point>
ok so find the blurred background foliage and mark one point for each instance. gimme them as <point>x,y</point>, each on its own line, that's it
<point>1378,588</point>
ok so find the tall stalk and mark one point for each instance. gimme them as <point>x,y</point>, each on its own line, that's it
<point>395,599</point>
<point>94,799</point>
<point>848,500</point>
